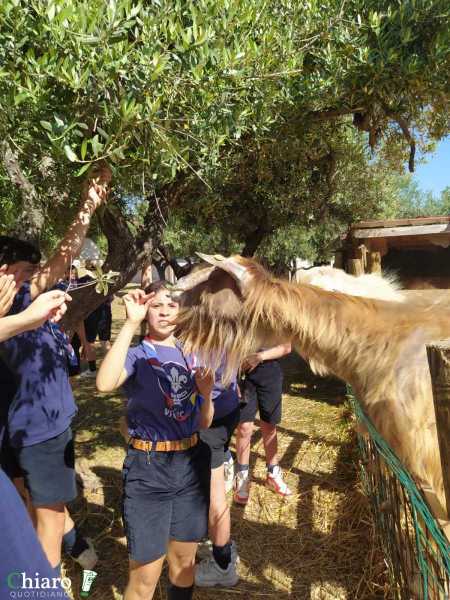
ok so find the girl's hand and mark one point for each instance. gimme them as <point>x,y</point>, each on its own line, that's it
<point>251,362</point>
<point>7,292</point>
<point>204,380</point>
<point>49,306</point>
<point>136,305</point>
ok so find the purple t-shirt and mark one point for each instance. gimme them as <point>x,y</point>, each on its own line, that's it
<point>37,403</point>
<point>163,403</point>
<point>226,400</point>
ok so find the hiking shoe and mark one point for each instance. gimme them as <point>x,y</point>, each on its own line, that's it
<point>88,558</point>
<point>205,548</point>
<point>276,483</point>
<point>241,487</point>
<point>208,573</point>
<point>228,467</point>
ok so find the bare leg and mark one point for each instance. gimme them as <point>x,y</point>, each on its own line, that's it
<point>181,559</point>
<point>243,441</point>
<point>269,435</point>
<point>50,521</point>
<point>143,579</point>
<point>219,511</point>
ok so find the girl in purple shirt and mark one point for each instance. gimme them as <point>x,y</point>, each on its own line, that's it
<point>169,400</point>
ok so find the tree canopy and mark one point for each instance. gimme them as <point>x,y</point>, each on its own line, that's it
<point>220,112</point>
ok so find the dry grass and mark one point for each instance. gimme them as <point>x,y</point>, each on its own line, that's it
<point>319,545</point>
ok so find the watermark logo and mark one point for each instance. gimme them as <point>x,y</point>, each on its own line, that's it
<point>22,585</point>
<point>88,580</point>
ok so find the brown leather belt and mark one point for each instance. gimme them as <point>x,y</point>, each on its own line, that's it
<point>167,446</point>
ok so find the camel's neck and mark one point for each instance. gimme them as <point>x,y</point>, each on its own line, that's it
<point>337,330</point>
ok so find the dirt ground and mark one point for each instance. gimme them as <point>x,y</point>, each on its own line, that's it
<point>319,545</point>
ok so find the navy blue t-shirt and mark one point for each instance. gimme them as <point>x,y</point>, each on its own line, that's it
<point>163,403</point>
<point>226,399</point>
<point>37,401</point>
<point>21,553</point>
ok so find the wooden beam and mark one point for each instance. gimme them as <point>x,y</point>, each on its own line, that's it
<point>338,259</point>
<point>355,267</point>
<point>400,222</point>
<point>374,262</point>
<point>385,232</point>
<point>439,362</point>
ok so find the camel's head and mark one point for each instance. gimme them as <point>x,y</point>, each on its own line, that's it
<point>213,319</point>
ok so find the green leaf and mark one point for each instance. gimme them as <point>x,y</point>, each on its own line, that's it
<point>70,153</point>
<point>83,169</point>
<point>46,125</point>
<point>97,146</point>
<point>103,133</point>
<point>51,11</point>
<point>84,149</point>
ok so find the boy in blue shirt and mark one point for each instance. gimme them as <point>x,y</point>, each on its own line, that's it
<point>38,404</point>
<point>164,502</point>
<point>21,554</point>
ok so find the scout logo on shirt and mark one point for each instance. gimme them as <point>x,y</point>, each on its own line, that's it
<point>174,381</point>
<point>181,390</point>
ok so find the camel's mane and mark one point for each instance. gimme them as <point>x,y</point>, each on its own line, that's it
<point>275,311</point>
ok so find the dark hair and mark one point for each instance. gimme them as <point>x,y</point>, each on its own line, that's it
<point>156,286</point>
<point>13,250</point>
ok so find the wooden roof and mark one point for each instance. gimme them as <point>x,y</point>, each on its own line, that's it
<point>401,222</point>
<point>401,228</point>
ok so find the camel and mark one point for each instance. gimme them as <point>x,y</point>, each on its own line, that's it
<point>234,305</point>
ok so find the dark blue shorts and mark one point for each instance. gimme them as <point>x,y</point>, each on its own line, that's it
<point>214,440</point>
<point>163,500</point>
<point>262,389</point>
<point>48,469</point>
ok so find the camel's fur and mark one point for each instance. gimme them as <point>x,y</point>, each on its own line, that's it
<point>384,287</point>
<point>372,285</point>
<point>378,347</point>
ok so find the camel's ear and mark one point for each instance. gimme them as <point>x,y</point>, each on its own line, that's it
<point>190,281</point>
<point>231,266</point>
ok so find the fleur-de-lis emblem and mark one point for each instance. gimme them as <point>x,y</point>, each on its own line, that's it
<point>177,380</point>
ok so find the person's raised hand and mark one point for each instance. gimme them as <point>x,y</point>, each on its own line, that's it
<point>204,380</point>
<point>136,305</point>
<point>50,306</point>
<point>7,291</point>
<point>96,187</point>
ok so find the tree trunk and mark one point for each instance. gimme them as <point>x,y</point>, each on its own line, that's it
<point>31,219</point>
<point>253,241</point>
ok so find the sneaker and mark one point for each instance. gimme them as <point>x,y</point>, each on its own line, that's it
<point>208,573</point>
<point>88,374</point>
<point>205,548</point>
<point>228,466</point>
<point>88,558</point>
<point>241,487</point>
<point>275,482</point>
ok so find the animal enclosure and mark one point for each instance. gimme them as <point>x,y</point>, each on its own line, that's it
<point>417,551</point>
<point>416,250</point>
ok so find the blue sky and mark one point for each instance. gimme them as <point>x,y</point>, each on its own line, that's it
<point>434,175</point>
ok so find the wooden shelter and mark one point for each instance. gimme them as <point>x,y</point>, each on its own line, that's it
<point>417,250</point>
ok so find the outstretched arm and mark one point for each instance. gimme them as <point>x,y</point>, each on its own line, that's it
<point>51,305</point>
<point>95,192</point>
<point>253,360</point>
